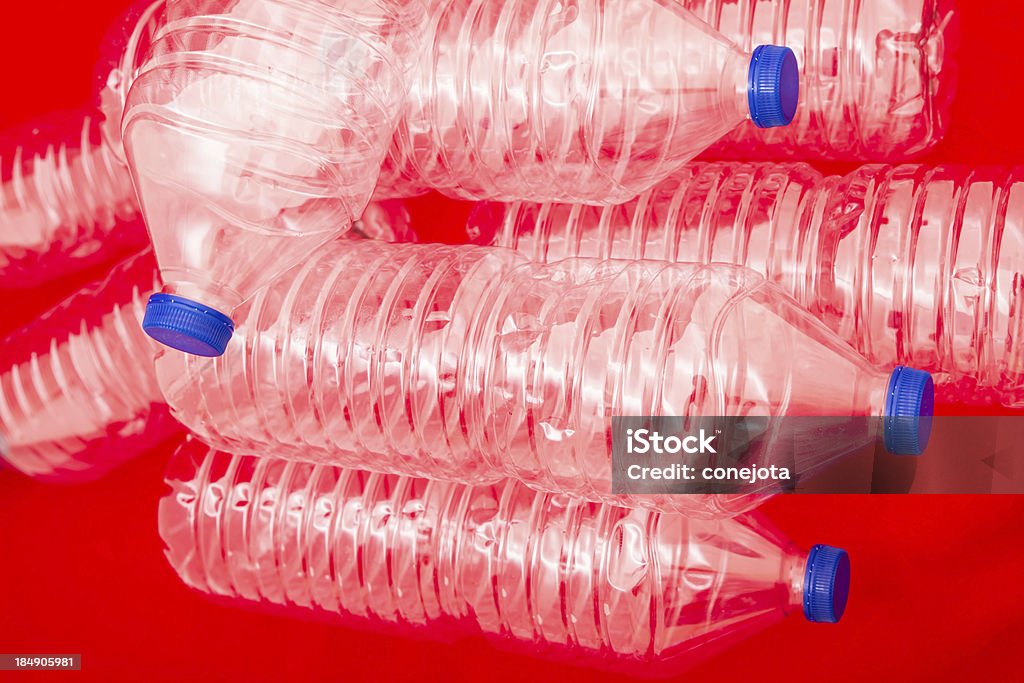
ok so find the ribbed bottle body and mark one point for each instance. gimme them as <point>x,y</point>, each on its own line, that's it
<point>352,352</point>
<point>78,393</point>
<point>66,201</point>
<point>255,132</point>
<point>762,216</point>
<point>586,100</point>
<point>606,585</point>
<point>931,273</point>
<point>877,78</point>
<point>472,363</point>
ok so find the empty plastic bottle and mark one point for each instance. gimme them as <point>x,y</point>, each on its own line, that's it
<point>255,132</point>
<point>472,363</point>
<point>877,78</point>
<point>67,200</point>
<point>584,100</point>
<point>78,391</point>
<point>913,265</point>
<point>553,145</point>
<point>78,394</point>
<point>606,586</point>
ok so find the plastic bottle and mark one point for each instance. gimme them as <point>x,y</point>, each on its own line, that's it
<point>255,132</point>
<point>67,200</point>
<point>895,104</point>
<point>584,100</point>
<point>605,586</point>
<point>472,363</point>
<point>78,393</point>
<point>878,78</point>
<point>913,265</point>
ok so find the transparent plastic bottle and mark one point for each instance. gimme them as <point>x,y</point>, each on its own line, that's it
<point>877,78</point>
<point>78,390</point>
<point>472,363</point>
<point>913,265</point>
<point>255,131</point>
<point>78,393</point>
<point>67,200</point>
<point>605,586</point>
<point>585,100</point>
<point>692,52</point>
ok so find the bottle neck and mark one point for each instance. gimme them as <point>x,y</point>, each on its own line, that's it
<point>218,297</point>
<point>877,388</point>
<point>793,572</point>
<point>734,87</point>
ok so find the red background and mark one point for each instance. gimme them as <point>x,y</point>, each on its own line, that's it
<point>938,588</point>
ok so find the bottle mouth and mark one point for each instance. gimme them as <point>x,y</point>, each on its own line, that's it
<point>773,86</point>
<point>909,406</point>
<point>187,325</point>
<point>826,584</point>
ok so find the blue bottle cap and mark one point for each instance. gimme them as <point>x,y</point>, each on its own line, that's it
<point>909,404</point>
<point>186,325</point>
<point>773,86</point>
<point>826,584</point>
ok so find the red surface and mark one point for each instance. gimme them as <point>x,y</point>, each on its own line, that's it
<point>938,587</point>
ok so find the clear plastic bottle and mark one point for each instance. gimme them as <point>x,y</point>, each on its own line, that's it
<point>78,393</point>
<point>472,363</point>
<point>606,586</point>
<point>585,100</point>
<point>878,78</point>
<point>126,53</point>
<point>913,265</point>
<point>67,200</point>
<point>255,131</point>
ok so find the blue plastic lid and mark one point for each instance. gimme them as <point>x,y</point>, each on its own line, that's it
<point>773,86</point>
<point>909,404</point>
<point>826,584</point>
<point>186,325</point>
